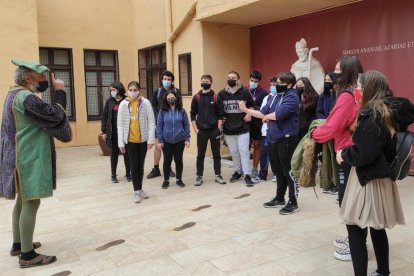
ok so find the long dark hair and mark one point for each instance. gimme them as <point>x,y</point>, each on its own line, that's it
<point>350,68</point>
<point>178,104</point>
<point>119,87</point>
<point>309,95</point>
<point>374,87</point>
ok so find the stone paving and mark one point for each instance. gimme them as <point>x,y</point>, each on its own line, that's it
<point>233,236</point>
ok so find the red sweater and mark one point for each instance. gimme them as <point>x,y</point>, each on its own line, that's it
<point>337,125</point>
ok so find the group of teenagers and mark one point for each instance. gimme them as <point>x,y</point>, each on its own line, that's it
<point>361,119</point>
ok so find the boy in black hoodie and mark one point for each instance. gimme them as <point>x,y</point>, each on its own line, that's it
<point>236,128</point>
<point>207,118</point>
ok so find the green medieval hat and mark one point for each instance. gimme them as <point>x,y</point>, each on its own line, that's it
<point>37,67</point>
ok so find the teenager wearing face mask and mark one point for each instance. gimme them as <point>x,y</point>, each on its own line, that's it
<point>167,85</point>
<point>326,99</point>
<point>264,153</point>
<point>258,94</point>
<point>207,118</point>
<point>282,115</point>
<point>110,130</point>
<point>308,98</point>
<point>236,127</point>
<point>136,134</point>
<point>338,127</point>
<point>173,132</point>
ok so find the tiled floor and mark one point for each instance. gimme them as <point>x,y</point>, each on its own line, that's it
<point>233,236</point>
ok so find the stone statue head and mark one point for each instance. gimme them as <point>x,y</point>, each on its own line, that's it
<point>302,50</point>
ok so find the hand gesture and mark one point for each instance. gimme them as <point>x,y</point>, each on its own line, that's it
<point>57,83</point>
<point>242,105</point>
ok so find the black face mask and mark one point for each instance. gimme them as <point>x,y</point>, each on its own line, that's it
<point>206,86</point>
<point>172,101</point>
<point>231,83</point>
<point>300,91</point>
<point>335,77</point>
<point>42,86</point>
<point>281,88</point>
<point>327,85</point>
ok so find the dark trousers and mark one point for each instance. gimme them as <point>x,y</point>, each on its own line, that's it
<point>137,153</point>
<point>203,137</point>
<point>264,158</point>
<point>357,244</point>
<point>175,151</point>
<point>115,155</point>
<point>342,179</point>
<point>280,156</point>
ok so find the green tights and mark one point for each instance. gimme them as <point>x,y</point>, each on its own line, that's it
<point>24,221</point>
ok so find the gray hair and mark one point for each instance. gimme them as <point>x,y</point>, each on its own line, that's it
<point>20,75</point>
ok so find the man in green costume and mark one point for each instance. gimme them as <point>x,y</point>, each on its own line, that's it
<point>28,157</point>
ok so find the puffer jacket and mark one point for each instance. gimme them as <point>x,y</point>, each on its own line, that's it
<point>173,126</point>
<point>146,122</point>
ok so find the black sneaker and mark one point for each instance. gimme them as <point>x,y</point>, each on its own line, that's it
<point>290,208</point>
<point>172,173</point>
<point>180,183</point>
<point>235,177</point>
<point>274,203</point>
<point>333,190</point>
<point>165,184</point>
<point>155,172</point>
<point>248,181</point>
<point>114,179</point>
<point>129,178</point>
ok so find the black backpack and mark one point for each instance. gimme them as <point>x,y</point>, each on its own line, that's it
<point>400,166</point>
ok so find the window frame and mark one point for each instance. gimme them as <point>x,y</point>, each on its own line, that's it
<point>98,68</point>
<point>147,84</point>
<point>190,74</point>
<point>58,67</point>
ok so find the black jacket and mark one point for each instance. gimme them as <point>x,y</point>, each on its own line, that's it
<point>234,123</point>
<point>205,110</point>
<point>107,121</point>
<point>374,148</point>
<point>157,98</point>
<point>305,119</point>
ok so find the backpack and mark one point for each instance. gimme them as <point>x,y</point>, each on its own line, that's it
<point>400,166</point>
<point>215,98</point>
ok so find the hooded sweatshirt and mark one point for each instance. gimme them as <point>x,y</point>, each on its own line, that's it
<point>173,126</point>
<point>206,111</point>
<point>234,123</point>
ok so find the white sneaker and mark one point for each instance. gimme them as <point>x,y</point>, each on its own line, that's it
<point>274,179</point>
<point>137,197</point>
<point>343,254</point>
<point>341,243</point>
<point>219,179</point>
<point>143,194</point>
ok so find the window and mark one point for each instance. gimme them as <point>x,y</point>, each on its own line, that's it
<point>101,69</point>
<point>151,64</point>
<point>184,63</point>
<point>59,61</point>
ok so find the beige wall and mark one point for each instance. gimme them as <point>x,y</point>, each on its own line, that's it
<point>226,48</point>
<point>18,30</point>
<point>210,7</point>
<point>92,24</point>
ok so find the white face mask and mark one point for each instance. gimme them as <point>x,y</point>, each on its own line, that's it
<point>113,94</point>
<point>133,95</point>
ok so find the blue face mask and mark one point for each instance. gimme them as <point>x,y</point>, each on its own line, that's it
<point>166,84</point>
<point>273,89</point>
<point>253,85</point>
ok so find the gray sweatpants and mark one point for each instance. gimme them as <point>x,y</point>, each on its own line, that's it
<point>240,152</point>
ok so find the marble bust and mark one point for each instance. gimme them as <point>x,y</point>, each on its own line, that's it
<point>308,66</point>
